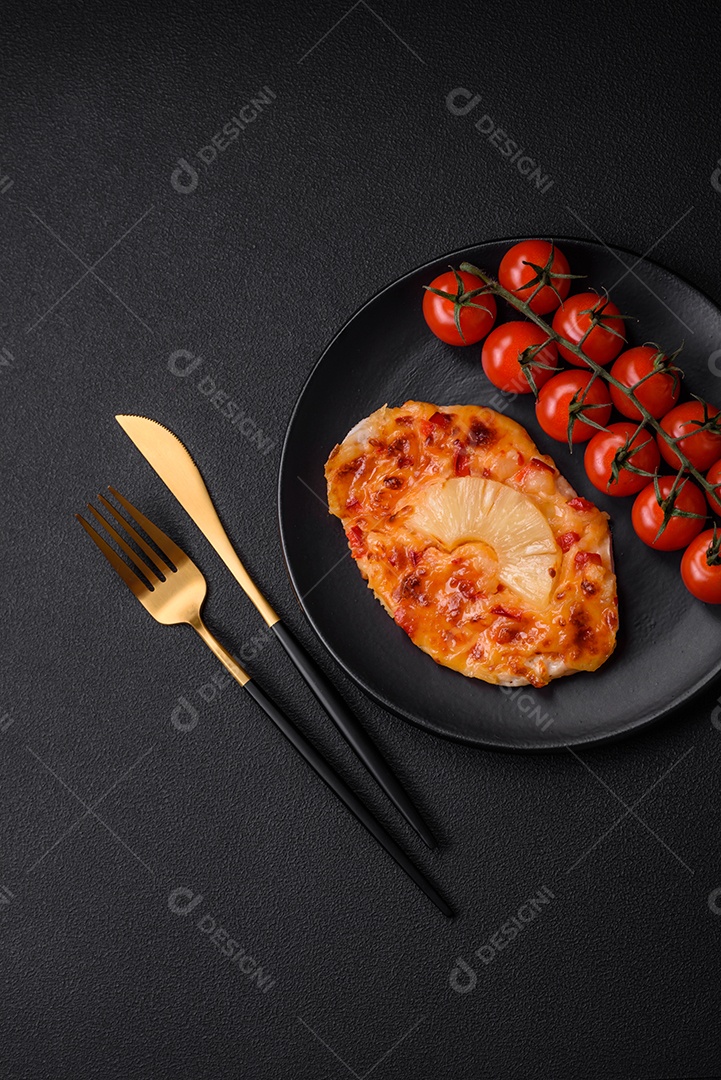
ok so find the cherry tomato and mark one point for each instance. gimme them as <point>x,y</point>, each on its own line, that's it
<point>522,263</point>
<point>574,318</point>
<point>701,568</point>
<point>599,455</point>
<point>702,448</point>
<point>658,392</point>
<point>502,349</point>
<point>476,314</point>
<point>554,399</point>
<point>647,514</point>
<point>714,477</point>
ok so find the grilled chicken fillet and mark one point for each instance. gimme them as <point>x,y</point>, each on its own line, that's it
<point>475,544</point>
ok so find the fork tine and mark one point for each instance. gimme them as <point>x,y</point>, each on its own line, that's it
<point>155,560</point>
<point>131,579</point>
<point>169,549</point>
<point>148,571</point>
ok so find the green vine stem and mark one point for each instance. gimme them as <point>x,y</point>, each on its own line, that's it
<point>713,552</point>
<point>711,424</point>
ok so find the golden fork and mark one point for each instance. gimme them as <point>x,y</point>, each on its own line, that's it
<point>172,589</point>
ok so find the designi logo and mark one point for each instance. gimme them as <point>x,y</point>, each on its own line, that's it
<point>183,901</point>
<point>184,177</point>
<point>716,177</point>
<point>461,102</point>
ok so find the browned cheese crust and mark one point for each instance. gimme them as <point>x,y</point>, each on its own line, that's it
<point>452,603</point>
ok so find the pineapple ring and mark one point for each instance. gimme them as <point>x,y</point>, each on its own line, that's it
<point>473,510</point>
<point>475,544</point>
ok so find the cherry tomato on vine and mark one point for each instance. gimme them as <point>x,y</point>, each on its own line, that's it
<point>702,448</point>
<point>501,354</point>
<point>647,514</point>
<point>576,316</point>
<point>554,401</point>
<point>658,392</point>
<point>520,267</point>
<point>701,568</point>
<point>474,314</point>
<point>714,477</point>
<point>642,453</point>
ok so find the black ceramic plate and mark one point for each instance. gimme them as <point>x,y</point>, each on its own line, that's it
<point>668,643</point>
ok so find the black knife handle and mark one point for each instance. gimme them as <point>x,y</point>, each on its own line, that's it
<point>352,731</point>
<point>344,793</point>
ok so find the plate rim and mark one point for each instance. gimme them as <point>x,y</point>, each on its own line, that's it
<point>483,743</point>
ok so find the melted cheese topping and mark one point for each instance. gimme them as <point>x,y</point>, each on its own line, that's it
<point>453,603</point>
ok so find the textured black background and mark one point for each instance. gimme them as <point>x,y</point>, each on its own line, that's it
<point>355,173</point>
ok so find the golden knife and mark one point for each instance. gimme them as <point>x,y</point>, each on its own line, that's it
<point>172,462</point>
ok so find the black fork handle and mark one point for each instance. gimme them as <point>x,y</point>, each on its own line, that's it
<point>344,793</point>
